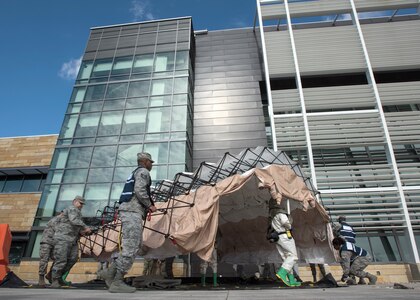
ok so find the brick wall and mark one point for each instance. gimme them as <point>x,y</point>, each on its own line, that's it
<point>27,151</point>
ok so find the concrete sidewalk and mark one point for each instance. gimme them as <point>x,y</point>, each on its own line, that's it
<point>383,291</point>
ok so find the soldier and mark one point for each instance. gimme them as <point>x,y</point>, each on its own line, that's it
<point>353,261</point>
<point>135,203</point>
<point>47,247</point>
<point>65,240</point>
<point>344,230</point>
<point>281,224</point>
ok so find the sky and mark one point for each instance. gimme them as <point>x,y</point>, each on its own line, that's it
<point>42,41</point>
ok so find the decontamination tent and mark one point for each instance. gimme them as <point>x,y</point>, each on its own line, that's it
<point>230,200</point>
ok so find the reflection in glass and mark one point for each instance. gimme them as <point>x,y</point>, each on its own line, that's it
<point>181,60</point>
<point>181,85</point>
<point>100,175</point>
<point>122,65</point>
<point>88,124</point>
<point>121,174</point>
<point>139,88</point>
<point>110,123</point>
<point>143,63</point>
<point>85,70</point>
<point>69,125</point>
<point>159,172</point>
<point>79,157</point>
<point>114,104</point>
<point>97,191</point>
<point>75,176</point>
<point>95,92</point>
<point>137,102</point>
<point>78,94</point>
<point>164,62</point>
<point>161,87</point>
<point>104,156</point>
<point>134,121</point>
<point>159,152</point>
<point>59,159</point>
<point>116,190</point>
<point>92,106</point>
<point>179,118</point>
<point>13,184</point>
<point>127,155</point>
<point>177,152</point>
<point>157,119</point>
<point>102,68</point>
<point>175,169</point>
<point>69,191</point>
<point>117,90</point>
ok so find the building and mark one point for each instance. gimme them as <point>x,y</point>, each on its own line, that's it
<point>334,88</point>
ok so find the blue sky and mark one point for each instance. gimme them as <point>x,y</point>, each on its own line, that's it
<point>42,41</point>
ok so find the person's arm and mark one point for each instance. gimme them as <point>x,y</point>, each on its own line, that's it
<point>142,179</point>
<point>75,218</point>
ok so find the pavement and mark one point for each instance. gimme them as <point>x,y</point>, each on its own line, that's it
<point>230,292</point>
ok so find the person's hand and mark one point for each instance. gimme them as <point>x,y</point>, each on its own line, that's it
<point>152,208</point>
<point>87,231</point>
<point>344,278</point>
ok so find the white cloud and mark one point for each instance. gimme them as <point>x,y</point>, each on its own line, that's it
<point>141,10</point>
<point>70,69</point>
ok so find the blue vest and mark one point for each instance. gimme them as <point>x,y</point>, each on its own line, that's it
<point>347,246</point>
<point>128,190</point>
<point>347,232</point>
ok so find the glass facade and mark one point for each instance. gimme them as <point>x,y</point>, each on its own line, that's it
<point>133,93</point>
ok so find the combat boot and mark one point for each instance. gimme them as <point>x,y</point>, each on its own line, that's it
<point>361,281</point>
<point>49,276</point>
<point>118,285</point>
<point>41,281</point>
<point>282,275</point>
<point>351,281</point>
<point>55,283</point>
<point>372,278</point>
<point>108,274</point>
<point>292,280</point>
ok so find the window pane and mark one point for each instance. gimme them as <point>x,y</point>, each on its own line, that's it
<point>92,106</point>
<point>100,175</point>
<point>31,183</point>
<point>95,92</point>
<point>159,173</point>
<point>88,125</point>
<point>74,108</point>
<point>2,182</point>
<point>174,169</point>
<point>69,126</point>
<point>55,176</point>
<point>127,155</point>
<point>181,85</point>
<point>102,68</point>
<point>164,62</point>
<point>97,191</point>
<point>121,174</point>
<point>79,157</point>
<point>179,118</point>
<point>159,152</point>
<point>181,60</point>
<point>134,121</point>
<point>160,100</point>
<point>122,65</point>
<point>161,86</point>
<point>75,176</point>
<point>117,90</point>
<point>69,191</point>
<point>110,123</point>
<point>137,103</point>
<point>78,94</point>
<point>177,152</point>
<point>143,63</point>
<point>59,159</point>
<point>158,120</point>
<point>104,156</point>
<point>13,184</point>
<point>114,104</point>
<point>116,191</point>
<point>139,88</point>
<point>85,70</point>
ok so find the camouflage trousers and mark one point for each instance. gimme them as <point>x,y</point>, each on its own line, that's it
<point>45,253</point>
<point>358,265</point>
<point>65,254</point>
<point>132,238</point>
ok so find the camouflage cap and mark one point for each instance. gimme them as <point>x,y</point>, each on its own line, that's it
<point>144,155</point>
<point>341,218</point>
<point>80,199</point>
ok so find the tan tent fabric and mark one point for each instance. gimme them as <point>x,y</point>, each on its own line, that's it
<point>238,206</point>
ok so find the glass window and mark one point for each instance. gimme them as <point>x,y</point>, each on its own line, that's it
<point>134,121</point>
<point>2,182</point>
<point>78,94</point>
<point>160,100</point>
<point>104,156</point>
<point>161,86</point>
<point>179,118</point>
<point>102,68</point>
<point>74,108</point>
<point>31,183</point>
<point>143,63</point>
<point>13,184</point>
<point>79,157</point>
<point>92,106</point>
<point>181,60</point>
<point>95,92</point>
<point>75,176</point>
<point>164,62</point>
<point>48,198</point>
<point>69,191</point>
<point>384,248</point>
<point>157,119</point>
<point>88,125</point>
<point>114,104</point>
<point>159,152</point>
<point>85,70</point>
<point>175,169</point>
<point>69,125</point>
<point>177,152</point>
<point>127,155</point>
<point>159,173</point>
<point>55,176</point>
<point>122,65</point>
<point>100,175</point>
<point>116,190</point>
<point>121,174</point>
<point>139,88</point>
<point>181,99</point>
<point>59,159</point>
<point>117,90</point>
<point>137,102</point>
<point>110,123</point>
<point>97,191</point>
<point>181,85</point>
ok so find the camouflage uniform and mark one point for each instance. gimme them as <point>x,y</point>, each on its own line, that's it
<point>47,244</point>
<point>132,214</point>
<point>65,239</point>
